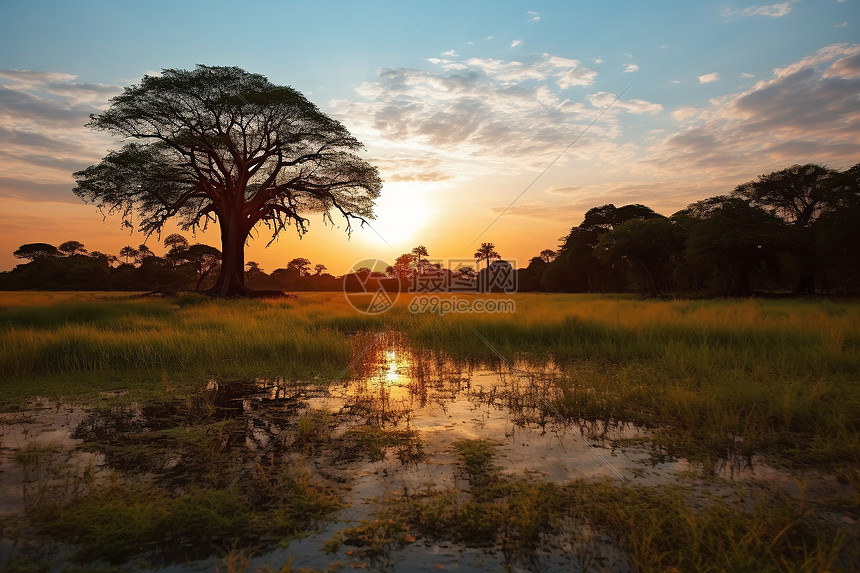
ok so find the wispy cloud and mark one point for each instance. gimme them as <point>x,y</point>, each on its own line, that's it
<point>772,10</point>
<point>450,53</point>
<point>708,78</point>
<point>841,25</point>
<point>604,99</point>
<point>807,111</point>
<point>42,118</point>
<point>516,43</point>
<point>630,68</point>
<point>487,109</point>
<point>408,168</point>
<point>746,75</point>
<point>533,16</point>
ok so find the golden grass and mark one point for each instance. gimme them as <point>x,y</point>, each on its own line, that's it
<point>717,372</point>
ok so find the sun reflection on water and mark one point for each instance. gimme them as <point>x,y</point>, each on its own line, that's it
<point>392,375</point>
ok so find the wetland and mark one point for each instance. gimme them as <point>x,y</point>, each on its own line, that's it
<point>582,433</point>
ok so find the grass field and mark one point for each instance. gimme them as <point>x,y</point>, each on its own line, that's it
<point>778,378</point>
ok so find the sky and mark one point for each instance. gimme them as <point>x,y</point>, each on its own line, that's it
<point>490,121</point>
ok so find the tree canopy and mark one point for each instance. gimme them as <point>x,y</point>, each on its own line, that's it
<point>221,144</point>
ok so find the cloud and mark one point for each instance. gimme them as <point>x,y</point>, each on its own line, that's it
<point>708,78</point>
<point>684,113</point>
<point>42,126</point>
<point>630,68</point>
<point>516,43</point>
<point>565,190</point>
<point>533,16</point>
<point>807,111</point>
<point>841,25</point>
<point>847,67</point>
<point>576,76</point>
<point>472,115</point>
<point>746,75</point>
<point>405,168</point>
<point>603,100</point>
<point>450,53</point>
<point>772,10</point>
<point>547,212</point>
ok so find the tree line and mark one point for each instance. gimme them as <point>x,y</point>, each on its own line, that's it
<point>183,267</point>
<point>794,230</point>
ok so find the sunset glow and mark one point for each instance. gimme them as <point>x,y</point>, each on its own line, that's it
<point>488,121</point>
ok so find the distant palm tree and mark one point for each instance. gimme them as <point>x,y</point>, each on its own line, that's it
<point>418,252</point>
<point>487,251</point>
<point>128,251</point>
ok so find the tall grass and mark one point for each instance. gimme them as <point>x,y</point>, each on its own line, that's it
<point>708,375</point>
<point>100,343</point>
<point>674,528</point>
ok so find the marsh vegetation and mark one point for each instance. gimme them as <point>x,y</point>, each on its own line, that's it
<point>583,432</point>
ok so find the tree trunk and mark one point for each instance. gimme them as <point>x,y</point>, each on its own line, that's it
<point>739,282</point>
<point>231,281</point>
<point>806,281</point>
<point>650,281</point>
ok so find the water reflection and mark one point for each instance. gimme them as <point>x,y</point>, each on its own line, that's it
<point>394,385</point>
<point>384,428</point>
<point>210,437</point>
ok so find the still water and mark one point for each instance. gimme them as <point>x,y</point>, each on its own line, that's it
<point>426,400</point>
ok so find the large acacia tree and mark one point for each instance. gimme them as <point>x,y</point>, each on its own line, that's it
<point>221,144</point>
<point>799,195</point>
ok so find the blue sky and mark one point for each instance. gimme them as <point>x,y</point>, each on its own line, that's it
<point>461,104</point>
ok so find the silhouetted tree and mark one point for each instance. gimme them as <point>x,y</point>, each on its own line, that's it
<point>176,245</point>
<point>143,252</point>
<point>202,259</point>
<point>529,278</point>
<point>128,251</point>
<point>110,260</point>
<point>300,266</point>
<point>319,269</point>
<point>219,143</point>
<point>576,267</point>
<point>418,252</point>
<point>36,251</point>
<point>731,239</point>
<point>254,273</point>
<point>837,234</point>
<point>403,265</point>
<point>650,245</point>
<point>72,248</point>
<point>486,252</point>
<point>547,255</point>
<point>607,217</point>
<point>798,195</point>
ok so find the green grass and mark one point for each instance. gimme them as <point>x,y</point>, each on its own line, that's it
<point>120,517</point>
<point>71,348</point>
<point>708,376</point>
<point>709,379</point>
<point>676,528</point>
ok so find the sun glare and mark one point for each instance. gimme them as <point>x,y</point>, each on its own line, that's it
<point>401,214</point>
